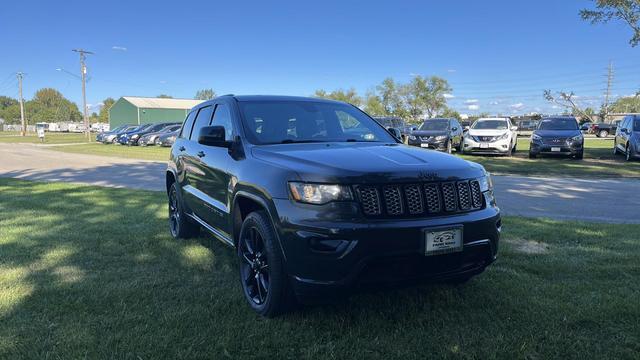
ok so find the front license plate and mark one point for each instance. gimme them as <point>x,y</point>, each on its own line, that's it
<point>424,145</point>
<point>442,241</point>
<point>484,146</point>
<point>555,149</point>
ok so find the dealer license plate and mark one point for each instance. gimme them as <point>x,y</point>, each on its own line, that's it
<point>442,241</point>
<point>555,149</point>
<point>424,145</point>
<point>484,146</point>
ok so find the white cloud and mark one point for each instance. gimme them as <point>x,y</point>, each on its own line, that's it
<point>471,101</point>
<point>118,48</point>
<point>517,106</point>
<point>451,70</point>
<point>448,96</point>
<point>494,102</point>
<point>473,107</point>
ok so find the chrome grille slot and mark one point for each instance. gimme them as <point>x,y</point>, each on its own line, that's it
<point>432,194</point>
<point>464,196</point>
<point>476,194</point>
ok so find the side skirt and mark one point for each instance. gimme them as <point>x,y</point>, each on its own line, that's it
<point>220,236</point>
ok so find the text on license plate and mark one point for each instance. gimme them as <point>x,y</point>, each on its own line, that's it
<point>555,149</point>
<point>443,241</point>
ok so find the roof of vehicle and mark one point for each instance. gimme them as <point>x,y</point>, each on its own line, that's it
<point>493,118</point>
<point>280,98</point>
<point>432,119</point>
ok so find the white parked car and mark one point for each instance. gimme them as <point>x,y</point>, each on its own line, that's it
<point>491,136</point>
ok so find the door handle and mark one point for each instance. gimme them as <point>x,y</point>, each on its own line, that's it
<point>181,148</point>
<point>200,153</point>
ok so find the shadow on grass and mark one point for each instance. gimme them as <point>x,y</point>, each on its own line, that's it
<point>92,272</point>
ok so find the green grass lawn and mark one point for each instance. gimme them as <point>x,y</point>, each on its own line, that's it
<point>598,161</point>
<point>89,272</point>
<point>131,152</point>
<point>49,138</point>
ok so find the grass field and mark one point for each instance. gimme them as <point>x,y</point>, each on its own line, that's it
<point>50,138</point>
<point>90,272</point>
<point>131,152</point>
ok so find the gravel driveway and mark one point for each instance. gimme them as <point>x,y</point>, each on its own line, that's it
<point>600,200</point>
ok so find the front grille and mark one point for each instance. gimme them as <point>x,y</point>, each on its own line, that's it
<point>425,138</point>
<point>554,141</point>
<point>420,199</point>
<point>485,138</point>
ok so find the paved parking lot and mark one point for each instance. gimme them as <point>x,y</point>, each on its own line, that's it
<point>599,200</point>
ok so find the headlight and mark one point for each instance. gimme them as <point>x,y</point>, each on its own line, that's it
<point>412,137</point>
<point>503,136</point>
<point>319,193</point>
<point>486,183</point>
<point>536,137</point>
<point>135,136</point>
<point>577,138</point>
<point>441,137</point>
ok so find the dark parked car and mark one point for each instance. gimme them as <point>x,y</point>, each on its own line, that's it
<point>123,138</point>
<point>603,130</point>
<point>627,139</point>
<point>439,134</point>
<point>150,138</point>
<point>396,123</point>
<point>557,135</point>
<point>584,127</point>
<point>167,140</point>
<point>136,135</point>
<point>313,211</point>
<point>111,137</point>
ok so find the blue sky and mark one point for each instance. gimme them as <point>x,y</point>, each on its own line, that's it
<point>497,55</point>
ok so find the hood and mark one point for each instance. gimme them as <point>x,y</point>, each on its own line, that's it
<point>366,163</point>
<point>557,133</point>
<point>486,132</point>
<point>429,132</point>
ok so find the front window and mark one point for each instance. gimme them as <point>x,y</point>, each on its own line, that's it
<point>490,125</point>
<point>435,125</point>
<point>636,124</point>
<point>558,124</point>
<point>276,122</point>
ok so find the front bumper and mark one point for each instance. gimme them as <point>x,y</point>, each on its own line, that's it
<point>502,146</point>
<point>429,144</point>
<point>326,257</point>
<point>570,148</point>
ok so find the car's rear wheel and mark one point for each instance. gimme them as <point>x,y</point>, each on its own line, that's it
<point>580,155</point>
<point>179,225</point>
<point>264,280</point>
<point>603,133</point>
<point>532,155</point>
<point>449,147</point>
<point>628,153</point>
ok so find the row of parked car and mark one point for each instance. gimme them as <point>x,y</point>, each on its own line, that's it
<point>553,135</point>
<point>161,134</point>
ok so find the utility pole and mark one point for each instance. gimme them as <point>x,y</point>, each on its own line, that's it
<point>23,130</point>
<point>608,93</point>
<point>83,73</point>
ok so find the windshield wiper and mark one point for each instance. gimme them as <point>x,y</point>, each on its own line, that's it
<point>293,141</point>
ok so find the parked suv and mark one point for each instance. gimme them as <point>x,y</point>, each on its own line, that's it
<point>439,134</point>
<point>491,136</point>
<point>318,198</point>
<point>557,135</point>
<point>627,139</point>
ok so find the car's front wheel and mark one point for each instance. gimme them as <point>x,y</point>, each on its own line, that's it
<point>603,133</point>
<point>580,155</point>
<point>179,225</point>
<point>264,280</point>
<point>449,147</point>
<point>628,153</point>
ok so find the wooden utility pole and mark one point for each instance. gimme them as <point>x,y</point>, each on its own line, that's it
<point>83,73</point>
<point>23,130</point>
<point>608,93</point>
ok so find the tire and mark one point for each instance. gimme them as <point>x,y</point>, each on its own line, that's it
<point>449,147</point>
<point>627,156</point>
<point>459,148</point>
<point>615,149</point>
<point>580,155</point>
<point>532,155</point>
<point>179,225</point>
<point>514,149</point>
<point>264,280</point>
<point>603,133</point>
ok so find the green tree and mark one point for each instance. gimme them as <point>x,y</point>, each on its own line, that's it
<point>629,104</point>
<point>107,103</point>
<point>349,96</point>
<point>9,110</point>
<point>205,94</point>
<point>450,113</point>
<point>164,96</point>
<point>628,11</point>
<point>390,94</point>
<point>425,96</point>
<point>49,105</point>
<point>373,105</point>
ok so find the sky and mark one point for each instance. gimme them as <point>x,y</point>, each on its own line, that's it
<point>498,56</point>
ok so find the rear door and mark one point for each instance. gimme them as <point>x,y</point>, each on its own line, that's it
<point>619,140</point>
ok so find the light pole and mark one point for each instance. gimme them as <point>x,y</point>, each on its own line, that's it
<point>83,74</point>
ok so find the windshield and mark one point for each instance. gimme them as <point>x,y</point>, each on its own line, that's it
<point>558,124</point>
<point>490,125</point>
<point>274,122</point>
<point>435,125</point>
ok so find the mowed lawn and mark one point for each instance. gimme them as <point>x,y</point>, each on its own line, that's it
<point>89,272</point>
<point>50,138</point>
<point>130,152</point>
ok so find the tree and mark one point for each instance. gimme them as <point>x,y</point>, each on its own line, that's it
<point>626,10</point>
<point>567,101</point>
<point>349,96</point>
<point>164,96</point>
<point>450,113</point>
<point>205,94</point>
<point>629,104</point>
<point>425,96</point>
<point>391,98</point>
<point>9,110</point>
<point>49,105</point>
<point>104,111</point>
<point>373,105</point>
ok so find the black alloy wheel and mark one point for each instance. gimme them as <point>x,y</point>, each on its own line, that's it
<point>254,266</point>
<point>179,225</point>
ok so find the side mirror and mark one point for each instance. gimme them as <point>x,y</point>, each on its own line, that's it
<point>213,136</point>
<point>514,128</point>
<point>454,128</point>
<point>466,128</point>
<point>395,132</point>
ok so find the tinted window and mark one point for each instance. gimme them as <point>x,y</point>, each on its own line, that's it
<point>558,124</point>
<point>636,124</point>
<point>187,125</point>
<point>222,117</point>
<point>272,122</point>
<point>490,125</point>
<point>203,119</point>
<point>435,125</point>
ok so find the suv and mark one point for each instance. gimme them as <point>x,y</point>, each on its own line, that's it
<point>439,134</point>
<point>557,135</point>
<point>627,139</point>
<point>316,197</point>
<point>491,136</point>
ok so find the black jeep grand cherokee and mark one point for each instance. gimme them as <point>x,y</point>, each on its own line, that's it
<point>316,197</point>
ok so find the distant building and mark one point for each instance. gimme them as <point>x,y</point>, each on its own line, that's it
<point>136,110</point>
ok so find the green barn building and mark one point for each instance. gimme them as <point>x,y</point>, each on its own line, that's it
<point>136,110</point>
